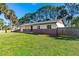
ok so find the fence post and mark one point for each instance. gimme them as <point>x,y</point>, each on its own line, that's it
<point>57,31</point>
<point>62,31</point>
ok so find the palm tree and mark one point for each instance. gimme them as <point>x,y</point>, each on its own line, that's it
<point>2,26</point>
<point>2,7</point>
<point>10,14</point>
<point>5,27</point>
<point>1,23</point>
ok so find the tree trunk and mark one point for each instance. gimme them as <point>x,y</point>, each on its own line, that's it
<point>5,30</point>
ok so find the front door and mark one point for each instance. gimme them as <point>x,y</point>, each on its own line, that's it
<point>31,28</point>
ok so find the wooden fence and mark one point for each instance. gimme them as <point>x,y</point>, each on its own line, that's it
<point>72,31</point>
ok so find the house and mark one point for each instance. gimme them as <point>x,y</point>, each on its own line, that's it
<point>46,27</point>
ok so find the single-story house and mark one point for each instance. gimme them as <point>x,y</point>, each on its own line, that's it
<point>46,27</point>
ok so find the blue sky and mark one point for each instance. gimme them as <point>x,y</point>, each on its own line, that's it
<point>22,8</point>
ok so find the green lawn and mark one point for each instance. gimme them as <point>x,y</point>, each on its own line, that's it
<point>20,44</point>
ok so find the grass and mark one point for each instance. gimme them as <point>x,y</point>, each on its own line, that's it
<point>20,44</point>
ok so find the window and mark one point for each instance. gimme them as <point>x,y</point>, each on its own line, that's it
<point>48,26</point>
<point>38,27</point>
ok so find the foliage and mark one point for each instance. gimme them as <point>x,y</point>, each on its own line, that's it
<point>9,14</point>
<point>6,27</point>
<point>63,12</point>
<point>44,13</point>
<point>75,21</point>
<point>1,22</point>
<point>72,9</point>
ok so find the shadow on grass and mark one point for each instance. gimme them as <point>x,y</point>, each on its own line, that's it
<point>65,37</point>
<point>31,33</point>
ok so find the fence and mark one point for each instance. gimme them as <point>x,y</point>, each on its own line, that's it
<point>72,31</point>
<point>68,31</point>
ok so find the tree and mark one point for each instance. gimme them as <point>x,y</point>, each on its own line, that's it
<point>6,27</point>
<point>1,23</point>
<point>53,12</point>
<point>44,12</point>
<point>2,26</point>
<point>26,18</point>
<point>72,9</point>
<point>63,12</point>
<point>75,21</point>
<point>9,14</point>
